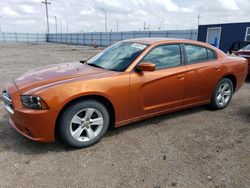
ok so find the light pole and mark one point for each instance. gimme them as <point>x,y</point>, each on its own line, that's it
<point>198,18</point>
<point>0,25</point>
<point>105,14</point>
<point>56,23</point>
<point>47,14</point>
<point>67,25</point>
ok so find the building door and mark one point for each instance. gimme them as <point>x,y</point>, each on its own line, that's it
<point>213,36</point>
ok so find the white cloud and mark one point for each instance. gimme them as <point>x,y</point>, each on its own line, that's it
<point>85,15</point>
<point>28,8</point>
<point>229,4</point>
<point>8,11</point>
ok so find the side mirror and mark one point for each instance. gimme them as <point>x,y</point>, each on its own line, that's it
<point>145,66</point>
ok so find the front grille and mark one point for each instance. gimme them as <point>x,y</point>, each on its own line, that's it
<point>7,102</point>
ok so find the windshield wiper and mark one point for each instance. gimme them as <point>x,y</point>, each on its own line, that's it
<point>83,61</point>
<point>94,65</point>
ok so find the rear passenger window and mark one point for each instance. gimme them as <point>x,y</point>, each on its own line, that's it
<point>210,54</point>
<point>195,54</point>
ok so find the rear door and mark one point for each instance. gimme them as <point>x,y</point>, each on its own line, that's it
<point>203,71</point>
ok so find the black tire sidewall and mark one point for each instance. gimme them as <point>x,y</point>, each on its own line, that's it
<point>70,112</point>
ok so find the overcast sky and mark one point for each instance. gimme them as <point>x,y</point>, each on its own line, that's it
<point>86,15</point>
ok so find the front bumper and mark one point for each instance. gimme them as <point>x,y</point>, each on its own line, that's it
<point>37,125</point>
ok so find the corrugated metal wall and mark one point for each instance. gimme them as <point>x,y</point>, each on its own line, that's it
<point>231,32</point>
<point>107,38</point>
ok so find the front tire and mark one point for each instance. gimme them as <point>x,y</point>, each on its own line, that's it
<point>83,123</point>
<point>223,94</point>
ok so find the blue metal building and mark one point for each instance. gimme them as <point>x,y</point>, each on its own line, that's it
<point>223,35</point>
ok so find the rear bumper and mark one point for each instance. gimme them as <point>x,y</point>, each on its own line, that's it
<point>37,125</point>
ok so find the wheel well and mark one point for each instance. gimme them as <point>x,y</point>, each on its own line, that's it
<point>233,79</point>
<point>98,98</point>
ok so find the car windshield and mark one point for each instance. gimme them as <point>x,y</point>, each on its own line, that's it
<point>118,56</point>
<point>246,48</point>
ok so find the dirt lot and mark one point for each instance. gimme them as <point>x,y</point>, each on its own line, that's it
<point>191,148</point>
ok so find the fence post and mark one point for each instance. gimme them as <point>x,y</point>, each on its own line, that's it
<point>77,39</point>
<point>110,39</point>
<point>100,38</point>
<point>84,39</point>
<point>16,36</point>
<point>149,34</point>
<point>71,39</point>
<point>3,37</point>
<point>92,38</point>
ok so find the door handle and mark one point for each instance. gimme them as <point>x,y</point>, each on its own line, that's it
<point>217,68</point>
<point>180,77</point>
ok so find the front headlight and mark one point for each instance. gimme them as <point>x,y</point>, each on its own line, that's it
<point>33,102</point>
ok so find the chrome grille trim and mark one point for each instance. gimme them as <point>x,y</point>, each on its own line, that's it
<point>7,102</point>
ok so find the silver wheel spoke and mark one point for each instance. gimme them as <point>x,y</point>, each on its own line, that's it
<point>89,113</point>
<point>225,87</point>
<point>77,133</point>
<point>90,133</point>
<point>77,120</point>
<point>223,100</point>
<point>219,97</point>
<point>227,93</point>
<point>96,121</point>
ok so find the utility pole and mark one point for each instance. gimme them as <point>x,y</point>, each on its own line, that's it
<point>47,14</point>
<point>61,25</point>
<point>198,18</point>
<point>105,14</point>
<point>67,25</point>
<point>0,25</point>
<point>56,23</point>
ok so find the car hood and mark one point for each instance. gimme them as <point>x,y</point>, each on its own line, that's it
<point>58,72</point>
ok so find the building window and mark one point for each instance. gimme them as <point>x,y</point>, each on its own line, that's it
<point>247,38</point>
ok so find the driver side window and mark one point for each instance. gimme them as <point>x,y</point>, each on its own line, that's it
<point>164,56</point>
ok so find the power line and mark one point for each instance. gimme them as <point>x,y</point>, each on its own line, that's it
<point>46,3</point>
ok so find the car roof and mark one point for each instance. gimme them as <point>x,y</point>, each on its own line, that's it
<point>156,41</point>
<point>150,41</point>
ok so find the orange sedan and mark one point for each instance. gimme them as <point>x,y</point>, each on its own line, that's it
<point>127,82</point>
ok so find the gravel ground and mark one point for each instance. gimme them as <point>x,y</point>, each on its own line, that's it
<point>191,148</point>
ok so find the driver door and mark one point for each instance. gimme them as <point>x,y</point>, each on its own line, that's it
<point>152,92</point>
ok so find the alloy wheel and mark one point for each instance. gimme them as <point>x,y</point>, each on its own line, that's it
<point>224,94</point>
<point>86,124</point>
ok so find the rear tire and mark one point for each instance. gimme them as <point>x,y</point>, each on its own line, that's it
<point>83,123</point>
<point>223,94</point>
